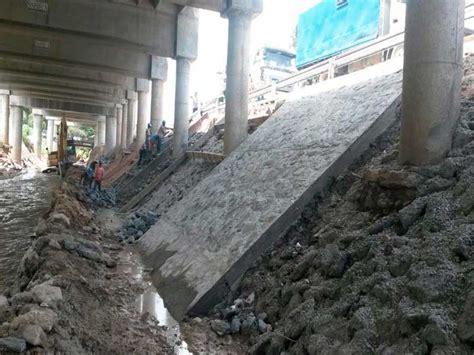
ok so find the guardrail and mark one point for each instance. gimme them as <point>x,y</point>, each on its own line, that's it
<point>329,65</point>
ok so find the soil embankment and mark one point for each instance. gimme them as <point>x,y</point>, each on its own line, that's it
<point>70,297</point>
<point>384,263</point>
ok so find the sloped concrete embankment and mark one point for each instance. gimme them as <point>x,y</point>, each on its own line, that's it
<point>205,242</point>
<point>384,264</point>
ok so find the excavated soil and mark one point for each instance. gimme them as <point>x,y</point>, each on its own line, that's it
<point>71,296</point>
<point>382,264</point>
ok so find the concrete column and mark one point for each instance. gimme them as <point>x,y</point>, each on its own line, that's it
<point>4,118</point>
<point>238,62</point>
<point>110,134</point>
<point>102,133</point>
<point>186,52</point>
<point>119,116</point>
<point>181,110</point>
<point>37,134</point>
<point>50,134</point>
<point>16,119</point>
<point>132,117</point>
<point>96,136</point>
<point>131,122</point>
<point>57,124</point>
<point>159,74</point>
<point>431,79</point>
<point>143,118</point>
<point>124,128</point>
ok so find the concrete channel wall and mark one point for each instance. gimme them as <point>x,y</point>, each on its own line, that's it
<point>205,242</point>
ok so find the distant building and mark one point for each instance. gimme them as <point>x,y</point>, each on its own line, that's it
<point>271,65</point>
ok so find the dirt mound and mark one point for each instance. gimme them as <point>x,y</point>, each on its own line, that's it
<point>70,296</point>
<point>383,264</point>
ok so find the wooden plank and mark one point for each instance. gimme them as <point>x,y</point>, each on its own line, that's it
<point>165,174</point>
<point>207,156</point>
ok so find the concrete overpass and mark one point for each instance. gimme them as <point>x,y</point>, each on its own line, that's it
<point>104,58</point>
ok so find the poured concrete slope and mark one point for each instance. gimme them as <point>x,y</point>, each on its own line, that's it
<point>207,240</point>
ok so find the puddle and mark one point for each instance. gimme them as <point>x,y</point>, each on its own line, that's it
<point>151,302</point>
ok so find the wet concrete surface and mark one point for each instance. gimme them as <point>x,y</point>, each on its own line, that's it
<point>23,199</point>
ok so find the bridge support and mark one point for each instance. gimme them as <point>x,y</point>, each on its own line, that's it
<point>143,88</point>
<point>118,135</point>
<point>50,133</point>
<point>16,119</point>
<point>57,124</point>
<point>37,134</point>
<point>240,16</point>
<point>132,117</point>
<point>4,117</point>
<point>101,132</point>
<point>124,128</point>
<point>186,52</point>
<point>110,134</point>
<point>159,74</point>
<point>432,79</point>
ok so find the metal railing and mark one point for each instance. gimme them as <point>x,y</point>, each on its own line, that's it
<point>329,65</point>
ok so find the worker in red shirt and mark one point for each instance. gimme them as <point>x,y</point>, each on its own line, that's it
<point>99,175</point>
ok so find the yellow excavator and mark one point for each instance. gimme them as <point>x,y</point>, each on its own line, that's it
<point>64,153</point>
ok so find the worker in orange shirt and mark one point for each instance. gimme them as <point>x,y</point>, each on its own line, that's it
<point>99,175</point>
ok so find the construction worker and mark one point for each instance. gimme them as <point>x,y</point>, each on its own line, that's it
<point>143,154</point>
<point>148,137</point>
<point>99,175</point>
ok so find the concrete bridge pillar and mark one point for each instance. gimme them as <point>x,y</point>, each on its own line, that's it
<point>186,53</point>
<point>124,128</point>
<point>96,135</point>
<point>4,116</point>
<point>132,117</point>
<point>50,133</point>
<point>57,124</point>
<point>240,14</point>
<point>143,118</point>
<point>101,132</point>
<point>159,74</point>
<point>118,135</point>
<point>110,134</point>
<point>16,119</point>
<point>431,79</point>
<point>37,134</point>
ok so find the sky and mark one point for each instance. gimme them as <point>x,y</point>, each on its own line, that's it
<point>274,27</point>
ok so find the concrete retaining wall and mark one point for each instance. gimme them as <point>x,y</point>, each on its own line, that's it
<point>205,242</point>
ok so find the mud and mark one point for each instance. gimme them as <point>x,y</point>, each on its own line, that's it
<point>381,264</point>
<point>70,295</point>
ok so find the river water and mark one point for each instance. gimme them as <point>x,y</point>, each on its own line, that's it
<point>23,199</point>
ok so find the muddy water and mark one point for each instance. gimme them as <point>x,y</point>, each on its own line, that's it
<point>23,199</point>
<point>151,302</point>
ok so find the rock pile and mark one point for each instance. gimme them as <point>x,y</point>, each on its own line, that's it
<point>7,166</point>
<point>137,225</point>
<point>239,318</point>
<point>103,198</point>
<point>382,265</point>
<point>36,317</point>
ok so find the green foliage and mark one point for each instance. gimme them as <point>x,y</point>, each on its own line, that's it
<point>85,133</point>
<point>27,127</point>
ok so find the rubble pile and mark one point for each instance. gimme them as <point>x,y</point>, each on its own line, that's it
<point>137,225</point>
<point>69,296</point>
<point>7,166</point>
<point>383,264</point>
<point>103,198</point>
